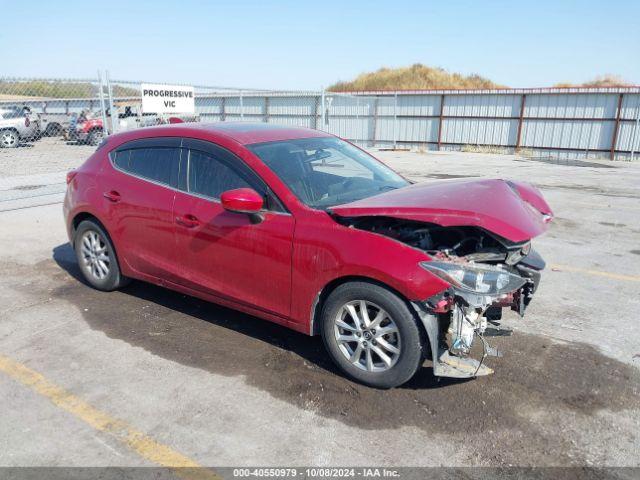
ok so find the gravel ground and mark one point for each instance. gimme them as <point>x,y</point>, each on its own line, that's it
<point>47,155</point>
<point>228,389</point>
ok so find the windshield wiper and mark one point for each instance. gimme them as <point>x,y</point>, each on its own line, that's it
<point>387,187</point>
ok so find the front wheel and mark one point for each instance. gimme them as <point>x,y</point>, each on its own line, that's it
<point>9,139</point>
<point>371,334</point>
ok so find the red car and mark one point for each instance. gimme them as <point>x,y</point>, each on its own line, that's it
<point>89,131</point>
<point>304,229</point>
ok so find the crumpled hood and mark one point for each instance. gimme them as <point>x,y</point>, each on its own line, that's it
<point>512,210</point>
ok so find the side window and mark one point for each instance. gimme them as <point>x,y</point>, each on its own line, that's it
<point>211,177</point>
<point>121,159</point>
<point>159,164</point>
<point>11,114</point>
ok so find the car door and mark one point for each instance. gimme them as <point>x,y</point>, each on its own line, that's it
<point>138,190</point>
<point>229,254</point>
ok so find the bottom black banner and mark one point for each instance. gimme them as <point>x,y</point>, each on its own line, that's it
<point>399,473</point>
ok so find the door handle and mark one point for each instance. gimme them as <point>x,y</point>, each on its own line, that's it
<point>189,221</point>
<point>112,196</point>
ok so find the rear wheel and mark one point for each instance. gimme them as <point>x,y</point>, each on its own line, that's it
<point>53,130</point>
<point>96,257</point>
<point>9,138</point>
<point>371,334</point>
<point>94,137</point>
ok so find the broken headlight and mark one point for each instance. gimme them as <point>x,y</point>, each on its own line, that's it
<point>476,278</point>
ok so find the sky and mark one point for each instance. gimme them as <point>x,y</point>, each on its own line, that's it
<point>308,45</point>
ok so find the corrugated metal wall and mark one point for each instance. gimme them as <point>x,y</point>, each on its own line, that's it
<point>553,122</point>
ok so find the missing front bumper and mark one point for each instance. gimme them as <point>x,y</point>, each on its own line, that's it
<point>451,338</point>
<point>453,323</point>
<point>444,363</point>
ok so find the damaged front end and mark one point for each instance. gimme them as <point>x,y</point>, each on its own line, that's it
<point>486,274</point>
<point>472,309</point>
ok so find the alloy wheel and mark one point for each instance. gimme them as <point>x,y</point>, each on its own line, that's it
<point>8,139</point>
<point>95,254</point>
<point>367,336</point>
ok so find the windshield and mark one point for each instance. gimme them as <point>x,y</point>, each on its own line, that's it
<point>327,171</point>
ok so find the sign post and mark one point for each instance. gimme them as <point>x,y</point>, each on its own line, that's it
<point>105,125</point>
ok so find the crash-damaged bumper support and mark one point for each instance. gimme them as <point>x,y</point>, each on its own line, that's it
<point>445,363</point>
<point>455,318</point>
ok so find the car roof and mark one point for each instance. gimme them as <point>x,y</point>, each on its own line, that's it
<point>245,133</point>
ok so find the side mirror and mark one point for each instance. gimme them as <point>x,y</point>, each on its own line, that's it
<point>242,200</point>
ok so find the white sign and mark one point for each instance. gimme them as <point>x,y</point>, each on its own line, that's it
<point>167,98</point>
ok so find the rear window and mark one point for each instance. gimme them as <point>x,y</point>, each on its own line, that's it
<point>157,164</point>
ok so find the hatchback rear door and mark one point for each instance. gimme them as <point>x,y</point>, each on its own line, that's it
<point>138,189</point>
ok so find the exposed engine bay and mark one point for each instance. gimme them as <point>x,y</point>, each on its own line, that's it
<point>486,273</point>
<point>470,243</point>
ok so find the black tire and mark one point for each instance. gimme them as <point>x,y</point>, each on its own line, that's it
<point>94,138</point>
<point>9,138</point>
<point>53,130</point>
<point>412,340</point>
<point>113,279</point>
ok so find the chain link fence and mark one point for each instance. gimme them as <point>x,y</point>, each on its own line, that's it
<point>46,117</point>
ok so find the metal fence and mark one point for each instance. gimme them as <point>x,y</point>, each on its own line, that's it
<point>594,122</point>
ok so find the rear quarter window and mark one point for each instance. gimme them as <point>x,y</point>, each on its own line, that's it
<point>158,164</point>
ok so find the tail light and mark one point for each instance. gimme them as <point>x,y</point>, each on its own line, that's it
<point>70,176</point>
<point>27,122</point>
